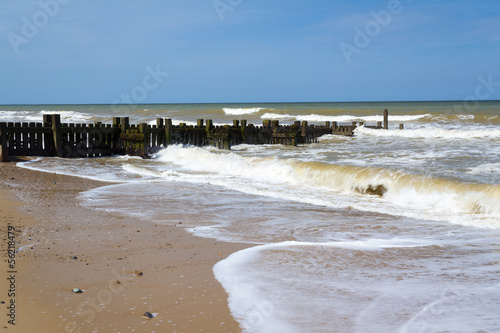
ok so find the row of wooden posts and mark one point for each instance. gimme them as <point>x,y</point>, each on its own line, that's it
<point>52,138</point>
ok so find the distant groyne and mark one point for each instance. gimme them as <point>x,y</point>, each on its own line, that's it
<point>53,138</point>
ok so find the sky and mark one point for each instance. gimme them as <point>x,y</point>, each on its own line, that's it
<point>216,51</point>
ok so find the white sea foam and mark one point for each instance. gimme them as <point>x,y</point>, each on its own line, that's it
<point>342,118</point>
<point>425,133</point>
<point>241,111</point>
<point>176,122</point>
<point>81,168</point>
<point>489,168</point>
<point>466,116</point>
<point>67,116</point>
<point>356,286</point>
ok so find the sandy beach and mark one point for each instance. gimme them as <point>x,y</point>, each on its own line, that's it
<point>124,267</point>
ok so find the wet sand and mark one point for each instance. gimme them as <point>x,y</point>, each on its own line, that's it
<point>62,245</point>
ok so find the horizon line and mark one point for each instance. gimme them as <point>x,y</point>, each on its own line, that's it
<point>214,103</point>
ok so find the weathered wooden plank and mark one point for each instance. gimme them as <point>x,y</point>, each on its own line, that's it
<point>386,119</point>
<point>31,136</point>
<point>4,149</point>
<point>56,131</point>
<point>83,138</point>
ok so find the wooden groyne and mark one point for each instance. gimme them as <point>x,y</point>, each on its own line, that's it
<point>53,138</point>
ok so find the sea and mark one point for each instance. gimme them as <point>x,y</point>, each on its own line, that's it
<point>326,254</point>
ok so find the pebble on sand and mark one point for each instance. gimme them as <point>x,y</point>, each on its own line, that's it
<point>149,315</point>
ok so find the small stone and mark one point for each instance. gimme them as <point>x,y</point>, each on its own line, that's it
<point>77,291</point>
<point>74,258</point>
<point>2,302</point>
<point>138,273</point>
<point>148,315</point>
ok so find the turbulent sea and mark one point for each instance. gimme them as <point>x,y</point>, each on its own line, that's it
<point>326,255</point>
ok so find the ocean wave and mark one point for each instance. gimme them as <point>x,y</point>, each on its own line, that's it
<point>67,116</point>
<point>384,190</point>
<point>14,116</point>
<point>342,118</point>
<point>431,133</point>
<point>241,111</point>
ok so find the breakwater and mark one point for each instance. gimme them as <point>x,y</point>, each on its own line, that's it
<point>53,138</point>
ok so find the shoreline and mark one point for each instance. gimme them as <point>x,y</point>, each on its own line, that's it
<point>177,281</point>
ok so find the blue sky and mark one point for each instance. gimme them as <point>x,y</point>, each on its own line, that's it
<point>90,51</point>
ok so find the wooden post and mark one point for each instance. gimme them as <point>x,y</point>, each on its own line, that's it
<point>200,123</point>
<point>91,140</point>
<point>39,137</point>
<point>46,120</point>
<point>56,134</point>
<point>71,141</point>
<point>124,124</point>
<point>243,123</point>
<point>386,119</point>
<point>401,126</point>
<point>168,126</point>
<point>4,150</point>
<point>84,139</point>
<point>144,145</point>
